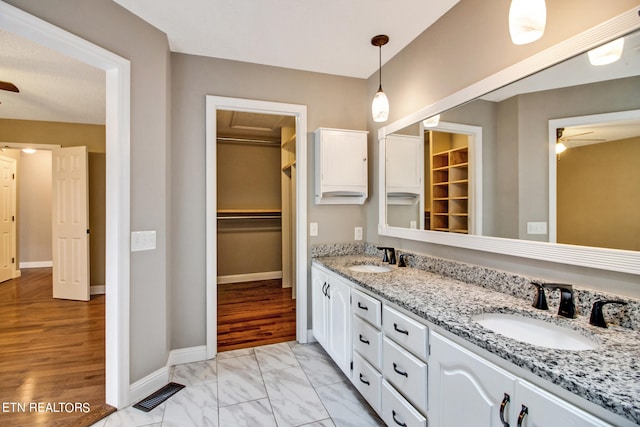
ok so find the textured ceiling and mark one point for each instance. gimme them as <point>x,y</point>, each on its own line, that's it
<point>53,87</point>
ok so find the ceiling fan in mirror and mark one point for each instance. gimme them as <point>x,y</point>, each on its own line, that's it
<point>8,86</point>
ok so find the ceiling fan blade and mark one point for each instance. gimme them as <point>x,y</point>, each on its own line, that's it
<point>8,86</point>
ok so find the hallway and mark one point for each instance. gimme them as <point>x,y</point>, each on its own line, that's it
<point>52,355</point>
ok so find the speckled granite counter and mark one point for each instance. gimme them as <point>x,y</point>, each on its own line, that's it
<point>608,377</point>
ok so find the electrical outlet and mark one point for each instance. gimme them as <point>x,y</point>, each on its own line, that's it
<point>313,229</point>
<point>357,234</point>
<point>537,227</point>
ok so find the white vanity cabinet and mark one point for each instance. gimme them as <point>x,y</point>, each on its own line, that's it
<point>341,166</point>
<point>331,316</point>
<point>465,389</point>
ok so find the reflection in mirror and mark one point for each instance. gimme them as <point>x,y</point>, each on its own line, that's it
<point>432,179</point>
<point>510,186</point>
<point>596,173</point>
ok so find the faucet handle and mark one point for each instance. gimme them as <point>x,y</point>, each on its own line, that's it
<point>540,301</point>
<point>385,257</point>
<point>597,316</point>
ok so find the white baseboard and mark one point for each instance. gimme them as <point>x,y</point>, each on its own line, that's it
<point>250,277</point>
<point>35,264</point>
<point>97,289</point>
<point>310,337</point>
<point>187,355</point>
<point>149,384</point>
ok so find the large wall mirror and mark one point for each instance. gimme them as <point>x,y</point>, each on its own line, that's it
<point>489,174</point>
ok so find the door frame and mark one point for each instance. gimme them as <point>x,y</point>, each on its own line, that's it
<point>14,271</point>
<point>117,204</point>
<point>213,104</point>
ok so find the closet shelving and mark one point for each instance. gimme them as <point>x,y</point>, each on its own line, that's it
<point>243,214</point>
<point>450,190</point>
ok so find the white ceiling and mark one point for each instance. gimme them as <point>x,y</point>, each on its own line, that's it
<point>53,87</point>
<point>330,36</point>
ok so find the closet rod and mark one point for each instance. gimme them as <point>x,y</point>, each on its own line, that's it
<point>248,141</point>
<point>251,217</point>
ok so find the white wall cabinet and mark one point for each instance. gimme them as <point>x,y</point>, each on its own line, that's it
<point>331,316</point>
<point>466,389</point>
<point>404,169</point>
<point>341,166</point>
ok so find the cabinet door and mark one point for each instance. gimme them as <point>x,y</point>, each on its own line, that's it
<point>319,308</point>
<point>466,390</point>
<point>339,332</point>
<point>404,167</point>
<point>344,161</point>
<point>546,410</point>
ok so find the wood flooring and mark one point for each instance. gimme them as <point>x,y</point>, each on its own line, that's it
<point>52,354</point>
<point>255,313</point>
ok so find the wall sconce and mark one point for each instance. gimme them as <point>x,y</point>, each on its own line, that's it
<point>607,53</point>
<point>527,19</point>
<point>380,104</point>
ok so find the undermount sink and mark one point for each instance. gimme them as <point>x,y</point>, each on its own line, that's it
<point>535,331</point>
<point>369,268</point>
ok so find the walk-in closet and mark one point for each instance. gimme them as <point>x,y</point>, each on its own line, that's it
<point>256,204</point>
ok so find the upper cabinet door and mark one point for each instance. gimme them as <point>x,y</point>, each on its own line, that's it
<point>404,168</point>
<point>341,166</point>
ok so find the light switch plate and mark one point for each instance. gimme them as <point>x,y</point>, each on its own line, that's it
<point>143,240</point>
<point>357,233</point>
<point>536,227</point>
<point>313,229</point>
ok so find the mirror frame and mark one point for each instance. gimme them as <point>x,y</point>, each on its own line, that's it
<point>624,261</point>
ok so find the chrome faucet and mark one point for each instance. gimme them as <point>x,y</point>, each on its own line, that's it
<point>391,259</point>
<point>567,307</point>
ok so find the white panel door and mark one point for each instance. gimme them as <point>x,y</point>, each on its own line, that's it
<point>339,331</point>
<point>7,218</point>
<point>70,228</point>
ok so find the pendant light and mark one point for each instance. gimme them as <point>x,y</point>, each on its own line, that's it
<point>380,104</point>
<point>607,53</point>
<point>527,19</point>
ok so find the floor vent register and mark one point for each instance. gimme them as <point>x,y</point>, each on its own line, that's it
<point>155,399</point>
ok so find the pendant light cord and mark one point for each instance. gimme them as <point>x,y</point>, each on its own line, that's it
<point>380,67</point>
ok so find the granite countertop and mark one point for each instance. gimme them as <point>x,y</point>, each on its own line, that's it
<point>608,377</point>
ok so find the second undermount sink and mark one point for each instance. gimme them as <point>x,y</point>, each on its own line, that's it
<point>535,331</point>
<point>370,268</point>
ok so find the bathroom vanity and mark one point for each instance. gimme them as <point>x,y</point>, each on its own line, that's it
<point>409,340</point>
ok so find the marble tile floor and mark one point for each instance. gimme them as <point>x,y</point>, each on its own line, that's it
<point>286,384</point>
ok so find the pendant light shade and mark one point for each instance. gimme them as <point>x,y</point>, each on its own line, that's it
<point>606,54</point>
<point>527,19</point>
<point>380,104</point>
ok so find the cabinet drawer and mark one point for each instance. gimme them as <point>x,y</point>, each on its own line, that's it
<point>367,341</point>
<point>367,307</point>
<point>368,381</point>
<point>396,411</point>
<point>407,332</point>
<point>406,372</point>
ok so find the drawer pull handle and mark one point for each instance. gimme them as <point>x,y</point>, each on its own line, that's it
<point>363,307</point>
<point>399,372</point>
<point>324,289</point>
<point>402,331</point>
<point>523,413</point>
<point>364,381</point>
<point>503,406</point>
<point>328,288</point>
<point>363,340</point>
<point>393,413</point>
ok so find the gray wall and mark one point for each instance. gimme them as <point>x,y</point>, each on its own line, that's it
<point>106,24</point>
<point>442,61</point>
<point>331,101</point>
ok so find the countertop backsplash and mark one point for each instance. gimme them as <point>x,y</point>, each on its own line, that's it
<point>519,286</point>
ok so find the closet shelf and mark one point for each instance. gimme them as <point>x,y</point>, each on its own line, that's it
<point>228,214</point>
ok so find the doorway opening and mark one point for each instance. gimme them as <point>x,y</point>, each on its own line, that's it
<point>256,174</point>
<point>117,120</point>
<point>241,210</point>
